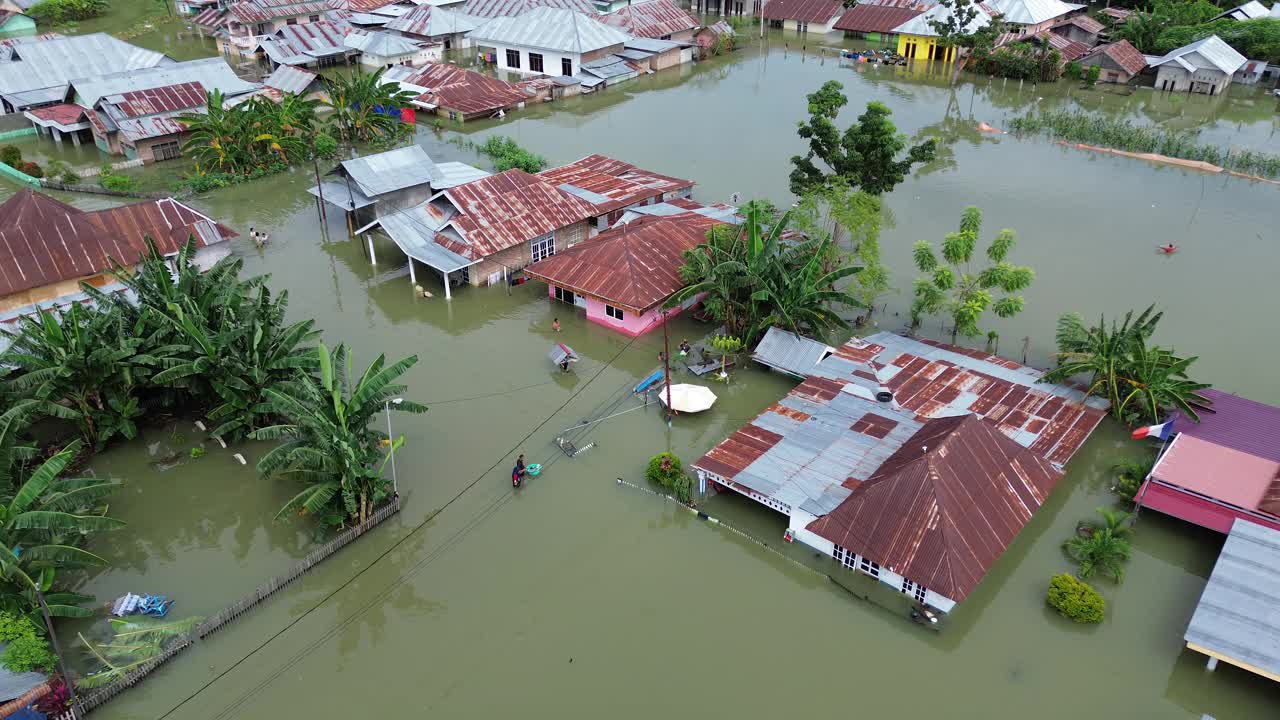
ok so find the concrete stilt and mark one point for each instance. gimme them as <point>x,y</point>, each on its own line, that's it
<point>57,134</point>
<point>447,294</point>
<point>372,260</point>
<point>75,138</point>
<point>413,279</point>
<point>1212,664</point>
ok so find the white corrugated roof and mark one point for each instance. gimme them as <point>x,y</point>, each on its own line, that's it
<point>392,170</point>
<point>53,62</point>
<point>212,74</point>
<point>1251,10</point>
<point>550,29</point>
<point>1031,12</point>
<point>1209,53</point>
<point>382,44</point>
<point>919,25</point>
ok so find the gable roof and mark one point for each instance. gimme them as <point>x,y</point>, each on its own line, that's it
<point>1235,422</point>
<point>875,18</point>
<point>945,506</point>
<point>45,241</point>
<point>1210,53</point>
<point>432,21</point>
<point>611,184</point>
<point>506,209</point>
<point>550,29</point>
<point>919,25</point>
<point>307,42</point>
<point>651,19</point>
<point>152,101</point>
<point>381,43</point>
<point>211,73</point>
<point>1084,22</point>
<point>1031,12</point>
<point>457,88</point>
<point>390,171</point>
<point>634,266</point>
<point>53,62</point>
<point>1122,53</point>
<point>506,8</point>
<point>813,11</point>
<point>290,79</point>
<point>260,11</point>
<point>1251,10</point>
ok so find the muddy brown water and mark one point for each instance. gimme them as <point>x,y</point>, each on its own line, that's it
<point>578,597</point>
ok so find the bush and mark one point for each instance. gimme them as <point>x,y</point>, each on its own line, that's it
<point>32,169</point>
<point>69,177</point>
<point>10,155</point>
<point>1073,71</point>
<point>1075,599</point>
<point>666,470</point>
<point>27,650</point>
<point>118,183</point>
<point>61,11</point>
<point>507,154</point>
<point>326,146</point>
<point>1092,74</point>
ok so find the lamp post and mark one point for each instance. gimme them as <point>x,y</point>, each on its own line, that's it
<point>395,484</point>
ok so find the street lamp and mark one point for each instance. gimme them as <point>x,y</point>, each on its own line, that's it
<point>391,447</point>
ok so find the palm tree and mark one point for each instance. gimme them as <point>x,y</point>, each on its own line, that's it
<point>330,443</point>
<point>1156,379</point>
<point>215,135</point>
<point>1100,551</point>
<point>360,103</point>
<point>1118,522</point>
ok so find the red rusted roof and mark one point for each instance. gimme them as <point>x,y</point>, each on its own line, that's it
<point>813,11</point>
<point>1123,54</point>
<point>1116,13</point>
<point>213,18</point>
<point>260,11</point>
<point>634,266</point>
<point>507,209</point>
<point>168,98</point>
<point>1084,22</point>
<point>944,507</point>
<point>875,18</point>
<point>511,8</point>
<point>64,114</point>
<point>465,91</point>
<point>44,241</point>
<point>616,184</point>
<point>1069,49</point>
<point>652,19</point>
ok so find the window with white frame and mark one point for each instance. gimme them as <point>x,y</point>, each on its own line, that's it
<point>543,247</point>
<point>869,567</point>
<point>913,589</point>
<point>613,312</point>
<point>845,558</point>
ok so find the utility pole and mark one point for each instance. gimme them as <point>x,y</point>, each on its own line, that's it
<point>315,161</point>
<point>666,364</point>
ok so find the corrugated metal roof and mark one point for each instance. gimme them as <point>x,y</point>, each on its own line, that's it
<point>212,18</point>
<point>652,46</point>
<point>507,209</point>
<point>63,114</point>
<point>382,44</point>
<point>429,22</point>
<point>1235,422</point>
<point>52,63</point>
<point>1238,616</point>
<point>679,206</point>
<point>341,195</point>
<point>1210,52</point>
<point>1251,10</point>
<point>919,25</point>
<point>393,170</point>
<point>550,28</point>
<point>1084,22</point>
<point>945,506</point>
<point>1218,472</point>
<point>211,73</point>
<point>259,11</point>
<point>1123,54</point>
<point>415,230</point>
<point>814,11</point>
<point>612,184</point>
<point>290,79</point>
<point>875,18</point>
<point>44,241</point>
<point>1031,12</point>
<point>461,90</point>
<point>611,67</point>
<point>135,129</point>
<point>166,98</point>
<point>635,266</point>
<point>453,174</point>
<point>368,19</point>
<point>790,353</point>
<point>15,685</point>
<point>486,9</point>
<point>652,19</point>
<point>305,42</point>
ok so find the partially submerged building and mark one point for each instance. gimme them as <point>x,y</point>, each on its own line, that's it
<point>1080,28</point>
<point>37,73</point>
<point>654,19</point>
<point>238,26</point>
<point>457,93</point>
<point>488,9</point>
<point>614,186</point>
<point>1205,66</point>
<point>548,41</point>
<point>435,24</point>
<point>317,44</point>
<point>1118,62</point>
<point>1028,17</point>
<point>917,40</point>
<point>383,50</point>
<point>876,423</point>
<point>816,16</point>
<point>386,182</point>
<point>878,22</point>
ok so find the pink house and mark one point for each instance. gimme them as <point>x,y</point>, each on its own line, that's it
<point>622,276</point>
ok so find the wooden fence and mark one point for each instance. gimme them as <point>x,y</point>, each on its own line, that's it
<point>95,698</point>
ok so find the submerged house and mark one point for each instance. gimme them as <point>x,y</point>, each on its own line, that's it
<point>878,22</point>
<point>385,182</point>
<point>1028,17</point>
<point>867,457</point>
<point>613,186</point>
<point>241,23</point>
<point>623,276</point>
<point>1080,28</point>
<point>1119,62</point>
<point>457,93</point>
<point>816,16</point>
<point>381,49</point>
<point>654,19</point>
<point>548,41</point>
<point>917,40</point>
<point>36,73</point>
<point>1204,66</point>
<point>318,44</point>
<point>488,9</point>
<point>435,24</point>
<point>47,248</point>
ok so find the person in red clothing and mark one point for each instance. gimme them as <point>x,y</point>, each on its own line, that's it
<point>517,472</point>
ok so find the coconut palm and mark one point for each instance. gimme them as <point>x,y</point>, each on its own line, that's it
<point>361,103</point>
<point>330,443</point>
<point>1099,551</point>
<point>1118,522</point>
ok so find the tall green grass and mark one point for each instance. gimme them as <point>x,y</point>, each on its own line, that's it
<point>1082,127</point>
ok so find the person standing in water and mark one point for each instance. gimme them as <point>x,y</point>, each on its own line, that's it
<point>555,324</point>
<point>517,472</point>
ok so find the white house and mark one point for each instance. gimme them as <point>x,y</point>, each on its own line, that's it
<point>383,50</point>
<point>1204,66</point>
<point>436,24</point>
<point>548,41</point>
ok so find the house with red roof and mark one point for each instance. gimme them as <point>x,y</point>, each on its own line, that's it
<point>654,19</point>
<point>1119,61</point>
<point>878,21</point>
<point>816,16</point>
<point>614,186</point>
<point>1223,468</point>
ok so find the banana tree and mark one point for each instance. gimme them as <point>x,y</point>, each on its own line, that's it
<point>801,300</point>
<point>359,102</point>
<point>329,439</point>
<point>133,643</point>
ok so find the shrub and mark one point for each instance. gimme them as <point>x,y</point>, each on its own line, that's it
<point>1072,71</point>
<point>61,11</point>
<point>27,650</point>
<point>326,146</point>
<point>32,169</point>
<point>666,470</point>
<point>1092,74</point>
<point>10,155</point>
<point>118,183</point>
<point>69,177</point>
<point>1075,599</point>
<point>507,154</point>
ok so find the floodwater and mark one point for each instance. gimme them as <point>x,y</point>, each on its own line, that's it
<point>580,597</point>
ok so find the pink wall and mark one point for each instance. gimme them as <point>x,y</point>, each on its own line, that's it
<point>631,324</point>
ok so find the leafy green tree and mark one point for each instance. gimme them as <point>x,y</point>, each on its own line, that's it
<point>356,99</point>
<point>952,287</point>
<point>330,442</point>
<point>867,156</point>
<point>1100,551</point>
<point>507,154</point>
<point>26,649</point>
<point>853,219</point>
<point>215,136</point>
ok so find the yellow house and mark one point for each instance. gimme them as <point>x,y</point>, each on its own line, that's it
<point>917,40</point>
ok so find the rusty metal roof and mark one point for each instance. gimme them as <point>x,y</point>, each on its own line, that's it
<point>506,209</point>
<point>153,101</point>
<point>634,266</point>
<point>1122,53</point>
<point>1084,22</point>
<point>63,114</point>
<point>506,8</point>
<point>212,18</point>
<point>945,506</point>
<point>611,184</point>
<point>875,18</point>
<point>652,19</point>
<point>462,90</point>
<point>44,241</point>
<point>814,11</point>
<point>135,129</point>
<point>429,21</point>
<point>260,11</point>
<point>306,42</point>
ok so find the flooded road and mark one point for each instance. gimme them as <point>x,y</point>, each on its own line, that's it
<point>578,597</point>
